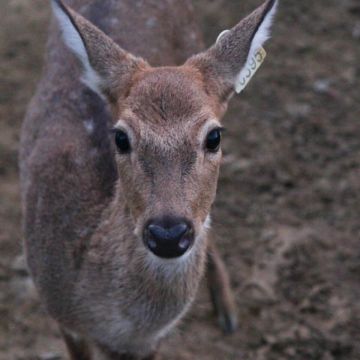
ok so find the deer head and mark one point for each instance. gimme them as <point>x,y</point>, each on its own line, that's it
<point>167,124</point>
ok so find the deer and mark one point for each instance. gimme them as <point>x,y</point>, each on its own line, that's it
<point>119,164</point>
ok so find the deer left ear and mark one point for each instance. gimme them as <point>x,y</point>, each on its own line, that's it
<point>224,63</point>
<point>108,69</point>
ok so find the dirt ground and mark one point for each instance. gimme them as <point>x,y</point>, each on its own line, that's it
<point>287,211</point>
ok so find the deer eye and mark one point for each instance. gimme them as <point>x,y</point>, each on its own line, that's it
<point>213,140</point>
<point>122,141</point>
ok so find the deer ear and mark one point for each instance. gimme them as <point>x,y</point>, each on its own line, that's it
<point>223,64</point>
<point>108,69</point>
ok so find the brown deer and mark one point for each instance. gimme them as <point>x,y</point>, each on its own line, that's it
<point>119,172</point>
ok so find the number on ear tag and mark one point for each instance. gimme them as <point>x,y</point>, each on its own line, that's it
<point>249,70</point>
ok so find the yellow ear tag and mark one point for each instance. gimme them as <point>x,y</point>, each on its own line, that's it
<point>252,65</point>
<point>250,68</point>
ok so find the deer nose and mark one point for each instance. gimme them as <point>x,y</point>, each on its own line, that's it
<point>169,238</point>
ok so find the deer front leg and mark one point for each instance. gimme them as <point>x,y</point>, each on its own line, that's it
<point>116,356</point>
<point>77,347</point>
<point>107,354</point>
<point>220,291</point>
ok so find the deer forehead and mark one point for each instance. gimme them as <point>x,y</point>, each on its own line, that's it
<point>168,95</point>
<point>167,107</point>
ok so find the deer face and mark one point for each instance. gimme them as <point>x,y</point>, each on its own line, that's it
<point>168,151</point>
<point>167,128</point>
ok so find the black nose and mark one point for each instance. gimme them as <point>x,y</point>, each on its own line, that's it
<point>168,238</point>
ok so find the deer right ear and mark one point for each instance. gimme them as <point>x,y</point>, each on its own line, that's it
<point>223,65</point>
<point>108,69</point>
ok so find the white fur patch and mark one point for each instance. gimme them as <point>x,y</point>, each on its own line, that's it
<point>89,126</point>
<point>75,43</point>
<point>207,223</point>
<point>262,34</point>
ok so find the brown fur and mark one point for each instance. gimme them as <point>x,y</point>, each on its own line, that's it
<point>85,205</point>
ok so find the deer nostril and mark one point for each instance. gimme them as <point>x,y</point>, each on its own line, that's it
<point>184,243</point>
<point>168,239</point>
<point>152,244</point>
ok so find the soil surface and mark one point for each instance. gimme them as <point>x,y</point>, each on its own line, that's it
<point>288,206</point>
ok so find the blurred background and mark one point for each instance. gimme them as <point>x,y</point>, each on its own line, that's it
<point>288,206</point>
